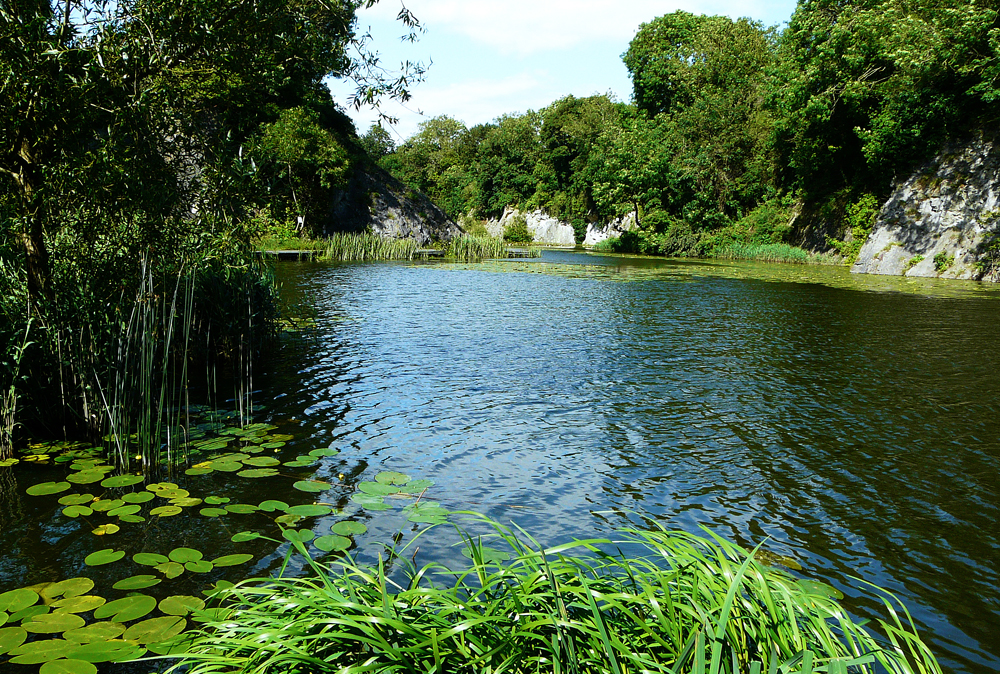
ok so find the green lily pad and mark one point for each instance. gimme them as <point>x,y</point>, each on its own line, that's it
<point>299,463</point>
<point>107,651</point>
<point>170,569</point>
<point>416,487</point>
<point>174,494</point>
<point>53,623</point>
<point>227,466</point>
<point>121,481</point>
<point>132,519</point>
<point>262,462</point>
<point>67,667</point>
<point>201,566</point>
<point>27,613</point>
<point>324,451</point>
<point>99,631</point>
<point>313,486</point>
<point>46,488</point>
<point>348,528</point>
<point>37,652</point>
<point>296,535</point>
<point>106,530</point>
<point>822,589</point>
<point>256,473</point>
<point>178,645</point>
<point>221,588</point>
<point>155,629</point>
<point>232,560</point>
<point>309,510</point>
<point>272,445</point>
<point>370,502</point>
<point>271,506</point>
<point>287,520</point>
<point>71,587</point>
<point>106,505</point>
<point>282,437</point>
<point>186,502</point>
<point>127,608</point>
<point>76,499</point>
<point>140,582</point>
<point>160,486</point>
<point>184,555</point>
<point>245,536</point>
<point>18,600</point>
<point>86,477</point>
<point>77,511</point>
<point>129,509</point>
<point>217,500</point>
<point>332,543</point>
<point>241,508</point>
<point>138,497</point>
<point>377,489</point>
<point>11,638</point>
<point>427,519</point>
<point>82,604</point>
<point>181,605</point>
<point>392,477</point>
<point>166,511</point>
<point>102,557</point>
<point>203,470</point>
<point>213,512</point>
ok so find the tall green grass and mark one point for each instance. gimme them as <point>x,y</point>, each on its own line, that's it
<point>685,604</point>
<point>477,248</point>
<point>366,246</point>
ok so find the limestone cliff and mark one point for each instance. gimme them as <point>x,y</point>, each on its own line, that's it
<point>944,220</point>
<point>548,230</point>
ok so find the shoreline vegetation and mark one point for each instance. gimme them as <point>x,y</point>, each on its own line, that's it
<point>346,247</point>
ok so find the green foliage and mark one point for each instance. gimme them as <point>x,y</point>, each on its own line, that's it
<point>912,262</point>
<point>680,603</point>
<point>365,246</point>
<point>377,143</point>
<point>859,217</point>
<point>477,248</point>
<point>517,230</point>
<point>943,262</point>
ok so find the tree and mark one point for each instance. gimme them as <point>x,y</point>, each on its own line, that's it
<point>377,143</point>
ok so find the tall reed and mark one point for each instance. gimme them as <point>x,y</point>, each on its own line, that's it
<point>769,252</point>
<point>686,604</point>
<point>366,246</point>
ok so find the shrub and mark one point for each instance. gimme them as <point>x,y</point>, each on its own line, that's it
<point>517,231</point>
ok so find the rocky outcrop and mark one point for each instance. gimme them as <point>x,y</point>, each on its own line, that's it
<point>543,227</point>
<point>598,232</point>
<point>944,220</point>
<point>374,200</point>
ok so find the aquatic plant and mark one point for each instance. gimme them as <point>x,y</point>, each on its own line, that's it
<point>770,252</point>
<point>366,246</point>
<point>686,604</point>
<point>470,248</point>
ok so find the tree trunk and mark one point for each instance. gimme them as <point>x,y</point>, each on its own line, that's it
<point>36,254</point>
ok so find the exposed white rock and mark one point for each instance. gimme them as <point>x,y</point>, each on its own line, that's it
<point>597,232</point>
<point>548,230</point>
<point>942,221</point>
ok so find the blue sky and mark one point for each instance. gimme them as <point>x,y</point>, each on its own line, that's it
<point>491,57</point>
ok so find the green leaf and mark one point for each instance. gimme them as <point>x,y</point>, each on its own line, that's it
<point>416,487</point>
<point>156,629</point>
<point>53,623</point>
<point>272,506</point>
<point>488,555</point>
<point>187,502</point>
<point>201,566</point>
<point>232,560</point>
<point>170,569</point>
<point>71,587</point>
<point>370,502</point>
<point>241,509</point>
<point>140,582</point>
<point>181,605</point>
<point>262,462</point>
<point>313,486</point>
<point>296,535</point>
<point>377,489</point>
<point>102,557</point>
<point>332,543</point>
<point>213,512</point>
<point>149,558</point>
<point>392,477</point>
<point>121,481</point>
<point>217,500</point>
<point>77,511</point>
<point>11,638</point>
<point>138,497</point>
<point>203,470</point>
<point>130,509</point>
<point>226,466</point>
<point>106,505</point>
<point>100,631</point>
<point>256,473</point>
<point>166,511</point>
<point>184,555</point>
<point>107,651</point>
<point>18,600</point>
<point>86,477</point>
<point>37,652</point>
<point>313,510</point>
<point>127,608</point>
<point>324,451</point>
<point>106,530</point>
<point>348,528</point>
<point>245,536</point>
<point>46,488</point>
<point>76,499</point>
<point>67,667</point>
<point>133,519</point>
<point>83,604</point>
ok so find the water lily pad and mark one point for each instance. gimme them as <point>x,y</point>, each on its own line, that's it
<point>140,582</point>
<point>184,555</point>
<point>370,502</point>
<point>349,528</point>
<point>245,536</point>
<point>77,511</point>
<point>271,506</point>
<point>7,463</point>
<point>46,488</point>
<point>107,651</point>
<point>313,486</point>
<point>106,505</point>
<point>99,631</point>
<point>227,466</point>
<point>160,486</point>
<point>170,569</point>
<point>166,511</point>
<point>106,530</point>
<point>257,473</point>
<point>427,519</point>
<point>18,600</point>
<point>272,445</point>
<point>313,510</point>
<point>138,497</point>
<point>416,487</point>
<point>132,519</point>
<point>201,566</point>
<point>392,477</point>
<point>324,451</point>
<point>213,512</point>
<point>102,557</point>
<point>82,604</point>
<point>127,608</point>
<point>296,535</point>
<point>53,623</point>
<point>332,543</point>
<point>262,461</point>
<point>220,588</point>
<point>204,470</point>
<point>76,499</point>
<point>300,463</point>
<point>287,520</point>
<point>178,645</point>
<point>11,638</point>
<point>149,558</point>
<point>128,509</point>
<point>241,508</point>
<point>822,589</point>
<point>121,481</point>
<point>187,502</point>
<point>282,437</point>
<point>67,667</point>
<point>174,494</point>
<point>181,605</point>
<point>378,489</point>
<point>86,477</point>
<point>232,560</point>
<point>71,587</point>
<point>217,500</point>
<point>155,629</point>
<point>37,652</point>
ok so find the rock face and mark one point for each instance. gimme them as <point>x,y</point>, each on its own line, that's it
<point>597,232</point>
<point>375,200</point>
<point>546,229</point>
<point>944,221</point>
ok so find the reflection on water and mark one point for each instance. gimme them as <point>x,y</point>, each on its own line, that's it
<point>852,421</point>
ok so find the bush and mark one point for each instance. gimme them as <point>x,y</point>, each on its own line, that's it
<point>517,231</point>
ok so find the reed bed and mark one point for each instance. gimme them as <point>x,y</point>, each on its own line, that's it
<point>686,604</point>
<point>366,246</point>
<point>470,248</point>
<point>770,252</point>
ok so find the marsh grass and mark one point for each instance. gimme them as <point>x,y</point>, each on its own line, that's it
<point>771,252</point>
<point>686,604</point>
<point>469,248</point>
<point>366,246</point>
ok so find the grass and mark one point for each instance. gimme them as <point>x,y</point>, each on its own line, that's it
<point>686,604</point>
<point>771,252</point>
<point>365,246</point>
<point>481,248</point>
